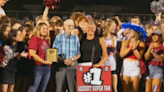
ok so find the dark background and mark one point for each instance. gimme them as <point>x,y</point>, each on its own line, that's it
<point>130,6</point>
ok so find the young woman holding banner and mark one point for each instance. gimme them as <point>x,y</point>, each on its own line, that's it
<point>89,46</point>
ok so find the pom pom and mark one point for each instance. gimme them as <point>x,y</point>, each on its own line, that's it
<point>52,4</point>
<point>157,6</point>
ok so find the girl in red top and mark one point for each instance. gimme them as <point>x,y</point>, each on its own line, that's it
<point>155,56</point>
<point>37,49</point>
<point>132,51</point>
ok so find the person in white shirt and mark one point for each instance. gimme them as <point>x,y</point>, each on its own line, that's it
<point>111,43</point>
<point>2,3</point>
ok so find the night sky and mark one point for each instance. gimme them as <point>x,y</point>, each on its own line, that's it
<point>93,2</point>
<point>138,5</point>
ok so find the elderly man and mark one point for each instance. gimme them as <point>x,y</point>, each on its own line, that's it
<point>2,3</point>
<point>68,46</point>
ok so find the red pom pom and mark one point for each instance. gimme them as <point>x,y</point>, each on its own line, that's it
<point>52,4</point>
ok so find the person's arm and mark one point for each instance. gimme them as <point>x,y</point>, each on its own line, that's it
<point>140,53</point>
<point>119,33</point>
<point>158,18</point>
<point>119,21</point>
<point>45,13</point>
<point>23,55</point>
<point>69,61</point>
<point>36,57</point>
<point>33,46</point>
<point>44,17</point>
<point>124,50</point>
<point>77,57</point>
<point>78,49</point>
<point>104,53</point>
<point>148,52</point>
<point>158,57</point>
<point>56,42</point>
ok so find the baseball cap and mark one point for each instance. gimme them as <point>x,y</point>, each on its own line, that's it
<point>157,32</point>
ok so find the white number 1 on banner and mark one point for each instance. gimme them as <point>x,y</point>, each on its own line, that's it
<point>97,72</point>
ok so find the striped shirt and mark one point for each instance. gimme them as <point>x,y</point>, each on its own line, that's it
<point>69,46</point>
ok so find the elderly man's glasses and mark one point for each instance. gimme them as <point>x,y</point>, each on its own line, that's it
<point>70,26</point>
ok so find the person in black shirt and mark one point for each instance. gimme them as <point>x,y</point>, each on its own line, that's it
<point>87,44</point>
<point>7,72</point>
<point>23,64</point>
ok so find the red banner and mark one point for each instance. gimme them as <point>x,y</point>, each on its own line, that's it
<point>91,79</point>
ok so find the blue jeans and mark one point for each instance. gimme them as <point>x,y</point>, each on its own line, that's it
<point>155,72</point>
<point>39,79</point>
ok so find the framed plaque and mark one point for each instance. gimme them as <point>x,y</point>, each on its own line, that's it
<point>52,54</point>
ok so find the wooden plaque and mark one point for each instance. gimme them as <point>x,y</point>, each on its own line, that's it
<point>52,54</point>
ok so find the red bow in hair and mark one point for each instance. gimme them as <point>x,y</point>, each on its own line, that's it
<point>52,4</point>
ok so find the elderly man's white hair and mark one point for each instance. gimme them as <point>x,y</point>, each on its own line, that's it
<point>68,21</point>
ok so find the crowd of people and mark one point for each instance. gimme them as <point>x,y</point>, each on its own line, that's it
<point>134,51</point>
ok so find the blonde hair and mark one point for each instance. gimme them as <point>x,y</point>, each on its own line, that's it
<point>91,23</point>
<point>106,30</point>
<point>39,18</point>
<point>37,31</point>
<point>107,25</point>
<point>55,18</point>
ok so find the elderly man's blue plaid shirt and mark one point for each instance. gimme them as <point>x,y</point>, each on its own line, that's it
<point>69,46</point>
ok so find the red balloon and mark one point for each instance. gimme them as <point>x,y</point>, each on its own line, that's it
<point>52,4</point>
